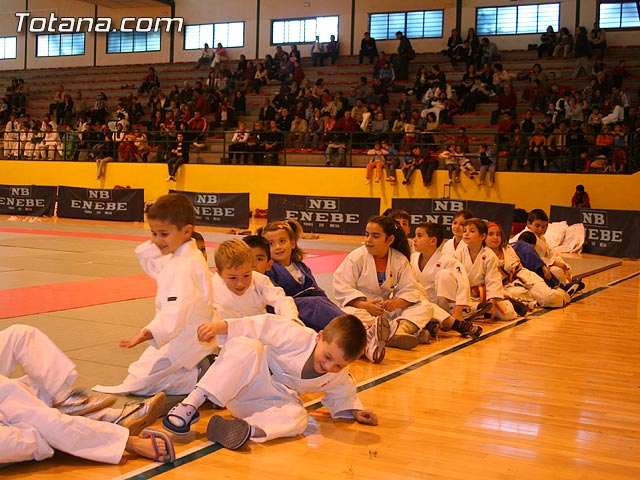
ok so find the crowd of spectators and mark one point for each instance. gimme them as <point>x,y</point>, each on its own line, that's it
<point>566,128</point>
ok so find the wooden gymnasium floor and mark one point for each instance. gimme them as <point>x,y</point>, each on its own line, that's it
<point>553,396</point>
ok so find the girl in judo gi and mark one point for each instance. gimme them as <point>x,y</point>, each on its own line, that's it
<point>451,245</point>
<point>376,284</point>
<point>294,276</point>
<point>482,268</point>
<point>520,283</point>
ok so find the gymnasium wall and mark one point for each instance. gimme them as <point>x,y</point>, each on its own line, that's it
<point>525,190</point>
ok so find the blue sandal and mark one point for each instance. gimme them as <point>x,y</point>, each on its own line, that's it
<point>180,418</point>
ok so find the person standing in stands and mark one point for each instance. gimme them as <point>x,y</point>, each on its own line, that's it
<point>405,55</point>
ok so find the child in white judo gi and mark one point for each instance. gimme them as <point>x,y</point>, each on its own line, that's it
<point>481,265</point>
<point>184,299</point>
<point>266,361</point>
<point>445,281</point>
<point>537,222</point>
<point>32,419</point>
<point>376,284</point>
<point>238,291</point>
<point>457,228</point>
<point>519,282</point>
<point>261,252</point>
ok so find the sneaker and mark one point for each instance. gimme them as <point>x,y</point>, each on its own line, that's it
<point>136,416</point>
<point>468,329</point>
<point>433,327</point>
<point>573,287</point>
<point>482,309</point>
<point>231,434</point>
<point>404,341</point>
<point>81,402</point>
<point>520,308</point>
<point>378,333</point>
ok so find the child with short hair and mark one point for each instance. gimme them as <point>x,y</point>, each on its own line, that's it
<point>184,299</point>
<point>481,265</point>
<point>375,283</point>
<point>537,222</point>
<point>238,291</point>
<point>265,363</point>
<point>444,279</point>
<point>294,276</point>
<point>200,243</point>
<point>457,228</point>
<point>261,252</point>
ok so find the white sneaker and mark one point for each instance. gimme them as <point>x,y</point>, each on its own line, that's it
<point>378,333</point>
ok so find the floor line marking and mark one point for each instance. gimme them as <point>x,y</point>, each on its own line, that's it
<point>201,451</point>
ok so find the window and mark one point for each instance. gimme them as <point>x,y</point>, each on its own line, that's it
<point>517,20</point>
<point>619,15</point>
<point>426,24</point>
<point>228,34</point>
<point>7,47</point>
<point>129,42</point>
<point>64,44</point>
<point>303,30</point>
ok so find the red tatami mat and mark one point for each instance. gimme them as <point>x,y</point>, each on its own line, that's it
<point>17,302</point>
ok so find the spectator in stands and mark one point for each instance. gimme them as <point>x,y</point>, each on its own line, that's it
<point>298,131</point>
<point>479,93</point>
<point>368,48</point>
<point>507,103</point>
<point>489,52</point>
<point>580,198</point>
<point>548,41</point>
<point>564,44</point>
<point>273,143</point>
<point>500,78</point>
<point>617,114</point>
<point>318,51</point>
<point>462,54</point>
<point>332,49</point>
<point>518,145</point>
<point>315,129</point>
<point>452,43</point>
<point>220,55</point>
<point>474,44</point>
<point>406,53</point>
<point>582,52</point>
<point>537,150</point>
<point>205,57</point>
<point>150,81</point>
<point>598,40</point>
<point>50,145</point>
<point>239,144</point>
<point>12,137</point>
<point>179,155</point>
<point>142,145</point>
<point>58,100</point>
<point>267,112</point>
<point>66,111</point>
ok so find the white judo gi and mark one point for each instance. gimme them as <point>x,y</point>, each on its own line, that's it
<point>444,279</point>
<point>449,247</point>
<point>184,300</point>
<point>485,280</point>
<point>257,376</point>
<point>356,278</point>
<point>29,428</point>
<point>547,254</point>
<point>527,285</point>
<point>254,300</point>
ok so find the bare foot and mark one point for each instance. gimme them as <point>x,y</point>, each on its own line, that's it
<point>144,448</point>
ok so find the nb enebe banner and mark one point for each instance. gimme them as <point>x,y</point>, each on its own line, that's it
<point>125,205</point>
<point>341,215</point>
<point>31,200</point>
<point>220,209</point>
<point>443,210</point>
<point>614,233</point>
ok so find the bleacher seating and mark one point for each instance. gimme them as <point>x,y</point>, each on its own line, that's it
<point>118,81</point>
